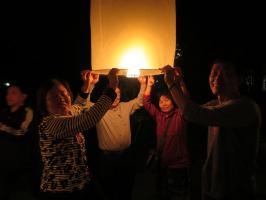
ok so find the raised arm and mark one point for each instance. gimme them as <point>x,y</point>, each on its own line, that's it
<point>148,105</point>
<point>183,86</point>
<point>233,114</point>
<point>134,104</point>
<point>66,126</point>
<point>174,82</point>
<point>142,81</point>
<point>89,80</point>
<point>150,83</point>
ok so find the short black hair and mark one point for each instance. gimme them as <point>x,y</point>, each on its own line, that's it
<point>164,92</point>
<point>229,65</point>
<point>21,86</point>
<point>44,89</point>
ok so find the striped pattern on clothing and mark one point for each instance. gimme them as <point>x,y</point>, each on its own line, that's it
<point>64,161</point>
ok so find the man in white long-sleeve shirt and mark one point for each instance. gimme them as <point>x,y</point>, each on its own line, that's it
<point>116,163</point>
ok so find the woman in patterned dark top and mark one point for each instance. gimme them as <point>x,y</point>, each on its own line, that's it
<point>65,174</point>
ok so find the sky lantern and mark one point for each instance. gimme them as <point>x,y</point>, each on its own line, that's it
<point>136,36</point>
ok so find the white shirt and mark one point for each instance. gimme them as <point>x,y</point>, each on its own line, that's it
<point>113,130</point>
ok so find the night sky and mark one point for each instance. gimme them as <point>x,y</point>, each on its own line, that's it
<point>43,39</point>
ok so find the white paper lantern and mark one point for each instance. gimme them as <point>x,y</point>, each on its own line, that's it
<point>132,35</point>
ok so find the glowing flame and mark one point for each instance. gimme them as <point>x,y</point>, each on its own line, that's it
<point>133,60</point>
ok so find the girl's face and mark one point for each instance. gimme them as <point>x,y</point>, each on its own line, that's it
<point>165,104</point>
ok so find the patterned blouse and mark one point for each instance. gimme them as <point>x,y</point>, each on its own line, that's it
<point>62,146</point>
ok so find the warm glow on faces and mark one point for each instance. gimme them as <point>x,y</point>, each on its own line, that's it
<point>222,80</point>
<point>133,60</point>
<point>14,96</point>
<point>165,104</point>
<point>58,100</point>
<point>117,99</point>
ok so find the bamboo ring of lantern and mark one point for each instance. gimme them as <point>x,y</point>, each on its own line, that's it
<point>138,37</point>
<point>124,72</point>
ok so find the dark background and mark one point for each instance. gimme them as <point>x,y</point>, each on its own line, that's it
<point>41,39</point>
<point>44,39</point>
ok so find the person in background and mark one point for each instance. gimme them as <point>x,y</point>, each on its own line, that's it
<point>15,145</point>
<point>172,172</point>
<point>116,159</point>
<point>233,124</point>
<point>65,173</point>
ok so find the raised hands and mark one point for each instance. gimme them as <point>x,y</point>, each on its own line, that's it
<point>169,75</point>
<point>94,78</point>
<point>88,76</point>
<point>172,75</point>
<point>113,78</point>
<point>142,80</point>
<point>89,80</point>
<point>150,81</point>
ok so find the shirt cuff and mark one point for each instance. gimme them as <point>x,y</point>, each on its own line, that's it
<point>83,95</point>
<point>110,92</point>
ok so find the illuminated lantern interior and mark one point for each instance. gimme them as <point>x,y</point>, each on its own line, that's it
<point>138,36</point>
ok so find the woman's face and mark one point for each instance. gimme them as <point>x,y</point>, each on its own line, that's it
<point>58,100</point>
<point>165,104</point>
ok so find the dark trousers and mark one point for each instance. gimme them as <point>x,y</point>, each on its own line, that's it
<point>173,184</point>
<point>16,184</point>
<point>117,174</point>
<point>235,196</point>
<point>244,190</point>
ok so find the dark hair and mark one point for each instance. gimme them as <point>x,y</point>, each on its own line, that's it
<point>165,92</point>
<point>44,89</point>
<point>230,66</point>
<point>23,89</point>
<point>17,86</point>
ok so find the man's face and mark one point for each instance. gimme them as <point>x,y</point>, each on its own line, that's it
<point>14,96</point>
<point>221,80</point>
